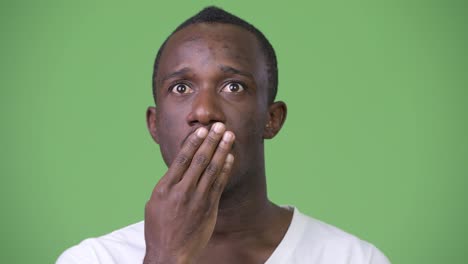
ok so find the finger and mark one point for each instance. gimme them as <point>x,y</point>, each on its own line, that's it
<point>216,164</point>
<point>203,156</point>
<point>218,185</point>
<point>184,157</point>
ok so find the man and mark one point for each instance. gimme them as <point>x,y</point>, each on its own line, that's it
<point>214,83</point>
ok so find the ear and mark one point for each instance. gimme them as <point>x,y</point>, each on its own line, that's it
<point>151,118</point>
<point>276,117</point>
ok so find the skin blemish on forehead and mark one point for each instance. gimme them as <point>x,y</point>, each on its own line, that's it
<point>192,38</point>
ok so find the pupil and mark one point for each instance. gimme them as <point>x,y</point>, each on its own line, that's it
<point>181,88</point>
<point>234,87</point>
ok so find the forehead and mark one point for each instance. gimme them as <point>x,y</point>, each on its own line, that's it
<point>213,42</point>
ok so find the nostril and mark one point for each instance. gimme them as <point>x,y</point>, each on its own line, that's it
<point>206,110</point>
<point>196,124</point>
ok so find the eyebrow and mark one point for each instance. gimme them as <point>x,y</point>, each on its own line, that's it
<point>223,68</point>
<point>229,69</point>
<point>180,72</point>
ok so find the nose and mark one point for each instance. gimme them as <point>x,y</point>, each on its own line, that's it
<point>206,109</point>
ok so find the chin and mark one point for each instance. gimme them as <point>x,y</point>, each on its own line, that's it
<point>235,182</point>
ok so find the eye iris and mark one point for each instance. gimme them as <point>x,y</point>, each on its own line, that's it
<point>233,87</point>
<point>181,88</point>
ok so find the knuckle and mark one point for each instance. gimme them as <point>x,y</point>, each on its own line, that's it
<point>224,147</point>
<point>226,169</point>
<point>200,203</point>
<point>218,185</point>
<point>180,197</point>
<point>161,191</point>
<point>201,160</point>
<point>193,142</point>
<point>212,139</point>
<point>182,160</point>
<point>212,169</point>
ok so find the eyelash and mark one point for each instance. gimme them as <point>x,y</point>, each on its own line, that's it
<point>244,86</point>
<point>174,85</point>
<point>226,83</point>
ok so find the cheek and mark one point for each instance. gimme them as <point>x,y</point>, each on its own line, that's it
<point>250,127</point>
<point>171,129</point>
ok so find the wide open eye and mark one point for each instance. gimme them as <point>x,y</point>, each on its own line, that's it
<point>233,87</point>
<point>181,88</point>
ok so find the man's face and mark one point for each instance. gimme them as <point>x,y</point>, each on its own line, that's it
<point>213,73</point>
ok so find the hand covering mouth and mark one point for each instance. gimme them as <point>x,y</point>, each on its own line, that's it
<point>194,129</point>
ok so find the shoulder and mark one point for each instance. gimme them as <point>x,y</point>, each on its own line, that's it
<point>125,245</point>
<point>314,241</point>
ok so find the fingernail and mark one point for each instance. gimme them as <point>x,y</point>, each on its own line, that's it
<point>229,158</point>
<point>202,132</point>
<point>218,127</point>
<point>227,136</point>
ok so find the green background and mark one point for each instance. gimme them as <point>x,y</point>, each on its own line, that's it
<point>375,142</point>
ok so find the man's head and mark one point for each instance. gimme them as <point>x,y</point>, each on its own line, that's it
<point>208,72</point>
<point>217,15</point>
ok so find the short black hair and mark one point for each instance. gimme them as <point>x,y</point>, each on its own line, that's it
<point>214,14</point>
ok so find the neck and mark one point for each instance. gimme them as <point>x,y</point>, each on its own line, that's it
<point>244,208</point>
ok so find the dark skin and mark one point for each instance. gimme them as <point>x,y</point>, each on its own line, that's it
<point>211,120</point>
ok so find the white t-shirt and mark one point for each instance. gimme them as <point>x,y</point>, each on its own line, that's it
<point>307,240</point>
